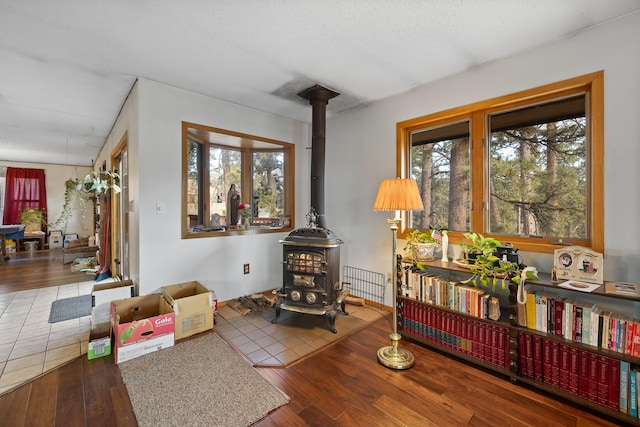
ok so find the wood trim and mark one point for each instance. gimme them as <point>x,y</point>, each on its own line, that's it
<point>245,144</point>
<point>592,84</point>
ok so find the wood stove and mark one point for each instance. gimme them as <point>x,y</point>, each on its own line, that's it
<point>311,264</point>
<point>311,274</point>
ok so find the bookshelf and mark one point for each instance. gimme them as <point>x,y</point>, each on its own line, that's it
<point>434,311</point>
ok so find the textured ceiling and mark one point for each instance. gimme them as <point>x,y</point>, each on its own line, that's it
<point>66,66</point>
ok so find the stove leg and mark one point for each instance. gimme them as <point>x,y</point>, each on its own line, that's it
<point>342,307</point>
<point>332,321</point>
<point>278,309</point>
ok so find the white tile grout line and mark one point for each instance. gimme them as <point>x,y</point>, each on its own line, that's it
<point>61,291</point>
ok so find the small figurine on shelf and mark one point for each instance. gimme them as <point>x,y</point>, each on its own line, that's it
<point>233,200</point>
<point>445,246</point>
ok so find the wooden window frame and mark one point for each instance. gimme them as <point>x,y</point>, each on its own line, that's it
<point>591,84</point>
<point>246,152</point>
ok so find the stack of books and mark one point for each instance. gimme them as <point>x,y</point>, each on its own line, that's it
<point>433,289</point>
<point>483,340</point>
<point>598,378</point>
<point>581,322</point>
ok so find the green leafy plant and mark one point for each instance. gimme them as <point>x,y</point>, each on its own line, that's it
<point>33,217</point>
<point>417,238</point>
<point>101,182</point>
<point>75,197</point>
<point>486,267</point>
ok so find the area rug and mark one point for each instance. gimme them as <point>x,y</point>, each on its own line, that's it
<point>293,337</point>
<point>199,382</point>
<point>70,308</point>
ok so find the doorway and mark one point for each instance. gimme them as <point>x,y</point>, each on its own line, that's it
<point>120,212</point>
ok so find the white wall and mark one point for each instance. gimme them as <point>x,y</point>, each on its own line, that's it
<point>55,178</point>
<point>360,153</point>
<point>361,143</point>
<point>164,257</point>
<point>127,123</point>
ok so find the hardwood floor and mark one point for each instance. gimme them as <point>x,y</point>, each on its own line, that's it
<point>343,385</point>
<point>38,269</point>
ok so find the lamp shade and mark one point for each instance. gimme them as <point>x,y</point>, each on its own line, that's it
<point>400,194</point>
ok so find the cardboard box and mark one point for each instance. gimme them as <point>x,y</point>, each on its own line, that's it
<point>192,304</point>
<point>68,238</point>
<point>141,325</point>
<point>99,341</point>
<point>55,242</point>
<point>55,239</point>
<point>103,293</point>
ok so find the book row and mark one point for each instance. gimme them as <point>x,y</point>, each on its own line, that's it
<point>600,379</point>
<point>581,322</point>
<point>485,341</point>
<point>432,289</point>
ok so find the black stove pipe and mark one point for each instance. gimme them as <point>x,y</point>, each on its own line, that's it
<point>318,96</point>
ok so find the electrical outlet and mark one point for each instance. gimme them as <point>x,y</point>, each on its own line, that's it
<point>246,269</point>
<point>389,277</point>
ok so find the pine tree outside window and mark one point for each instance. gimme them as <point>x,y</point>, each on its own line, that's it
<point>525,168</point>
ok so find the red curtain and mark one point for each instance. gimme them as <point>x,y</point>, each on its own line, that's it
<point>24,189</point>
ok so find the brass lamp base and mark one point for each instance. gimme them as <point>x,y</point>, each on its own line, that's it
<point>395,358</point>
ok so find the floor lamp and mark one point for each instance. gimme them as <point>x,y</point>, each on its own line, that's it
<point>396,195</point>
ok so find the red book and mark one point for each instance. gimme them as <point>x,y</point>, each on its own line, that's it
<point>555,364</point>
<point>444,328</point>
<point>592,392</point>
<point>614,384</point>
<point>522,358</point>
<point>459,324</point>
<point>583,371</point>
<point>564,367</point>
<point>431,321</point>
<point>437,318</point>
<point>546,361</point>
<point>503,353</point>
<point>628,342</point>
<point>494,345</point>
<point>475,339</point>
<point>453,320</point>
<point>603,380</point>
<point>482,340</point>
<point>528,348</point>
<point>427,322</point>
<point>574,367</point>
<point>537,357</point>
<point>559,304</point>
<point>422,323</point>
<point>487,342</point>
<point>635,346</point>
<point>422,316</point>
<point>464,344</point>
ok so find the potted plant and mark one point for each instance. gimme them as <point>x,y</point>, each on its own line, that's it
<point>33,219</point>
<point>101,182</point>
<point>420,246</point>
<point>482,260</point>
<point>74,196</point>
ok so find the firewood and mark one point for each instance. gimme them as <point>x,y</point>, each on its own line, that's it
<point>354,300</point>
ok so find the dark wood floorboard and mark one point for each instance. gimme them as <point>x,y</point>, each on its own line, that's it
<point>37,269</point>
<point>343,385</point>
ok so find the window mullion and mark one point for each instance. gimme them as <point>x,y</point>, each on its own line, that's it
<point>479,178</point>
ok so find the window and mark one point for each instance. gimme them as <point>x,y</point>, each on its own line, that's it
<point>231,179</point>
<point>525,168</point>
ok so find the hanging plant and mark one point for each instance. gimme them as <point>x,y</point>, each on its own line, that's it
<point>74,197</point>
<point>78,191</point>
<point>101,182</point>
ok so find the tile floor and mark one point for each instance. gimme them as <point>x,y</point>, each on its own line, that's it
<point>29,344</point>
<point>278,344</point>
